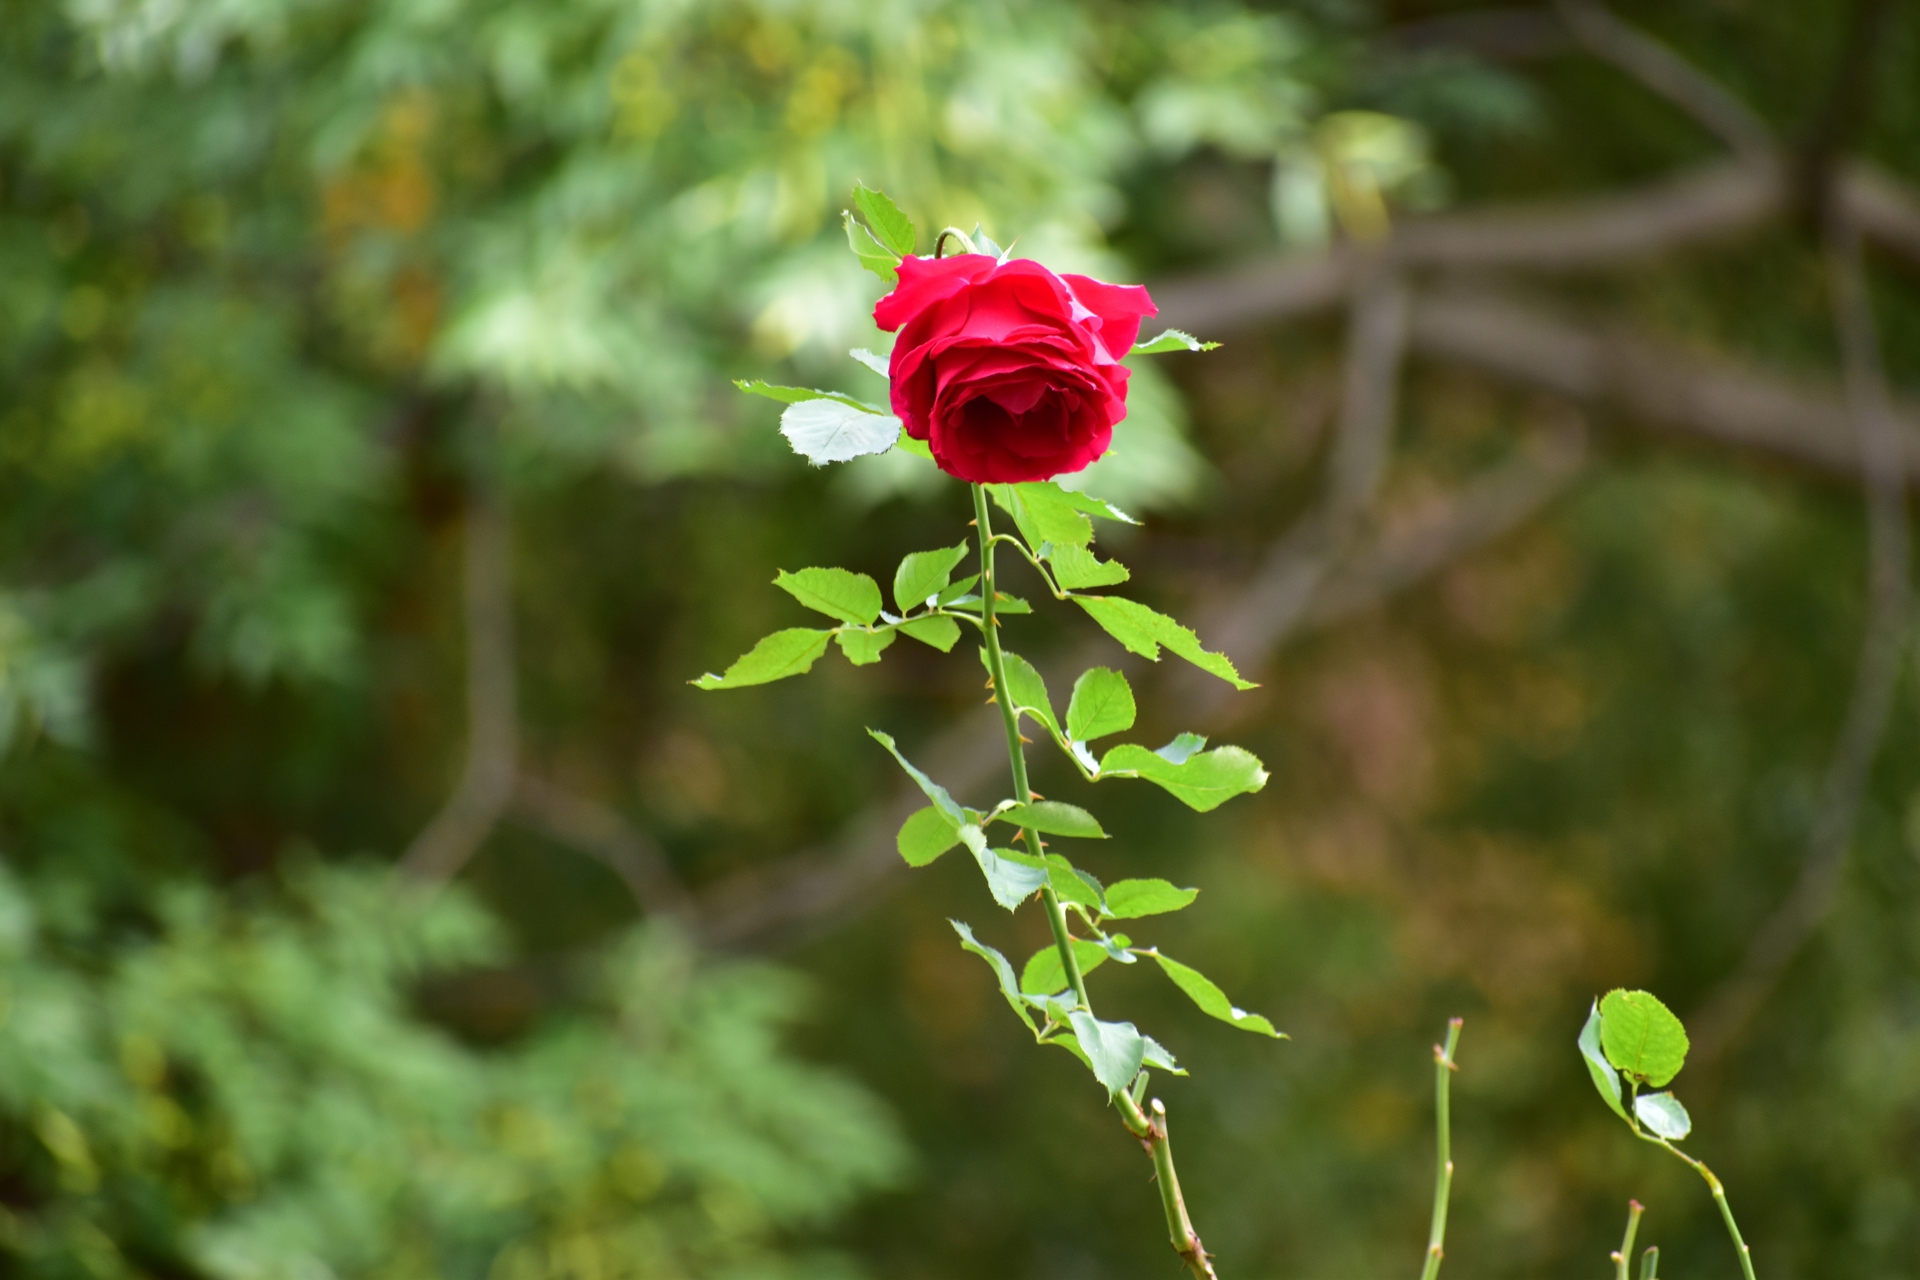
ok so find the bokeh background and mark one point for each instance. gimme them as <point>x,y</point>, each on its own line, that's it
<point>352,349</point>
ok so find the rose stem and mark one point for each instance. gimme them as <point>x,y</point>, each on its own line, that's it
<point>1152,1133</point>
<point>1443,1069</point>
<point>1624,1256</point>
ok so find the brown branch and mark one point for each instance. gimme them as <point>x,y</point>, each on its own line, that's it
<point>1666,73</point>
<point>486,781</point>
<point>600,831</point>
<point>1883,479</point>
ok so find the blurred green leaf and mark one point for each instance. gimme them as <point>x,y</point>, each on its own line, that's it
<point>1605,1078</point>
<point>1642,1037</point>
<point>850,597</point>
<point>831,430</point>
<point>784,653</point>
<point>1662,1113</point>
<point>800,395</point>
<point>873,255</point>
<point>1130,899</point>
<point>1172,340</point>
<point>1102,704</point>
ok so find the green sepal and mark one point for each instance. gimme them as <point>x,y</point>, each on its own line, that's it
<point>1142,630</point>
<point>924,836</point>
<point>785,653</point>
<point>838,593</point>
<point>1009,985</point>
<point>1210,999</point>
<point>1202,780</point>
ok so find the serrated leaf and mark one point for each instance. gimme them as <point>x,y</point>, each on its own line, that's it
<point>1114,1049</point>
<point>1143,631</point>
<point>1102,703</point>
<point>1004,604</point>
<point>892,228</point>
<point>928,787</point>
<point>838,593</point>
<point>922,575</point>
<point>1662,1113</point>
<point>1077,567</point>
<point>1043,974</point>
<point>1181,749</point>
<point>1055,818</point>
<point>1096,506</point>
<point>1026,691</point>
<point>1641,1036</point>
<point>1605,1078</point>
<point>873,255</point>
<point>924,836</point>
<point>798,395</point>
<point>863,648</point>
<point>830,430</point>
<point>879,364</point>
<point>1074,885</point>
<point>1044,513</point>
<point>1009,985</point>
<point>1210,999</point>
<point>1131,899</point>
<point>954,591</point>
<point>1205,781</point>
<point>940,631</point>
<point>784,653</point>
<point>1172,340</point>
<point>1158,1058</point>
<point>1009,881</point>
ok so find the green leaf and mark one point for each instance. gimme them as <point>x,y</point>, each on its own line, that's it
<point>863,648</point>
<point>1605,1078</point>
<point>1074,885</point>
<point>1009,881</point>
<point>1097,506</point>
<point>982,243</point>
<point>1025,690</point>
<point>782,654</point>
<point>1131,899</point>
<point>956,590</point>
<point>931,789</point>
<point>850,597</point>
<point>1043,973</point>
<point>939,631</point>
<point>1077,567</point>
<point>1009,986</point>
<point>879,364</point>
<point>797,395</point>
<point>1172,340</point>
<point>831,430</point>
<point>1055,818</point>
<point>1181,749</point>
<point>1203,781</point>
<point>1143,631</point>
<point>1211,999</point>
<point>1102,704</point>
<point>1114,1049</point>
<point>1044,513</point>
<point>1660,1112</point>
<point>1642,1037</point>
<point>1004,603</point>
<point>918,448</point>
<point>891,227</point>
<point>924,836</point>
<point>873,255</point>
<point>1158,1058</point>
<point>923,575</point>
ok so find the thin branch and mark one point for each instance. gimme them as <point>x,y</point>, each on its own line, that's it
<point>1883,479</point>
<point>1444,1065</point>
<point>598,830</point>
<point>1666,73</point>
<point>486,781</point>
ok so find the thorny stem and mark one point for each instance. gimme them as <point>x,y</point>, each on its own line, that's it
<point>1625,1253</point>
<point>1151,1131</point>
<point>1443,1069</point>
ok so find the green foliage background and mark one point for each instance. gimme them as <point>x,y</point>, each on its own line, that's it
<point>270,270</point>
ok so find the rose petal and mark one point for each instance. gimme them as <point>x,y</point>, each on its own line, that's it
<point>1120,307</point>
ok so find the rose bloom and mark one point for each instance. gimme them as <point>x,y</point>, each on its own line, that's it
<point>1008,371</point>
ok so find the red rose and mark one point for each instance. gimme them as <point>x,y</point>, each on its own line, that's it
<point>1008,371</point>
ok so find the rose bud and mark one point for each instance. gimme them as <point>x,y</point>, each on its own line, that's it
<point>1008,371</point>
